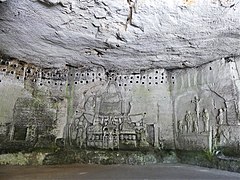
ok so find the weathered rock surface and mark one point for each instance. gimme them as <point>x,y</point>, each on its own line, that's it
<point>100,75</point>
<point>166,34</point>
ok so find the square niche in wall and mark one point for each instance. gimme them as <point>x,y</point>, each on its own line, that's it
<point>20,133</point>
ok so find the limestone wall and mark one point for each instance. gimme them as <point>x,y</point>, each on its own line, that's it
<point>206,102</point>
<point>192,108</point>
<point>84,108</point>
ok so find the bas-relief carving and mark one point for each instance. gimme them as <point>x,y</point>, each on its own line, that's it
<point>202,111</point>
<point>31,121</point>
<point>226,135</point>
<point>106,122</point>
<point>205,119</point>
<point>103,118</point>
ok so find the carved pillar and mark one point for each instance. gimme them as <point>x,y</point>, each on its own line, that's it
<point>156,143</point>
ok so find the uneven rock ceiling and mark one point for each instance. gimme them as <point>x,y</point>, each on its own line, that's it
<point>163,33</point>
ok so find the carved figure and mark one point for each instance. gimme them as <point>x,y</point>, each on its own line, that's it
<point>110,140</point>
<point>179,126</point>
<point>104,124</point>
<point>205,119</point>
<point>194,125</point>
<point>143,138</point>
<point>90,105</point>
<point>196,102</point>
<point>81,132</point>
<point>220,117</point>
<point>187,122</point>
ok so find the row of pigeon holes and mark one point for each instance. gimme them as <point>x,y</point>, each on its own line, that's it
<point>55,75</point>
<point>142,79</point>
<point>10,68</point>
<point>88,76</point>
<point>51,82</point>
<point>128,80</point>
<point>85,78</point>
<point>47,78</point>
<point>61,83</point>
<point>20,71</point>
<point>11,74</point>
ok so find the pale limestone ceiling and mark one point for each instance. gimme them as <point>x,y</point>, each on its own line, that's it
<point>164,33</point>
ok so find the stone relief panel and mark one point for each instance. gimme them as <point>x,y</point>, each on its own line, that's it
<point>106,122</point>
<point>88,108</point>
<point>95,108</point>
<point>33,121</point>
<point>206,112</point>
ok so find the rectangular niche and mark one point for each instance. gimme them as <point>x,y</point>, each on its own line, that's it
<point>20,133</point>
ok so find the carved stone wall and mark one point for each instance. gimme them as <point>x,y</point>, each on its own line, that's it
<point>193,108</point>
<point>206,105</point>
<point>84,108</point>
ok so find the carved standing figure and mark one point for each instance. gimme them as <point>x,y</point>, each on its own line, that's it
<point>179,126</point>
<point>194,125</point>
<point>81,132</point>
<point>205,118</point>
<point>220,117</point>
<point>188,122</point>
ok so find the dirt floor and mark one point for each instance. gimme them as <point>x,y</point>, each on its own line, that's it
<point>87,172</point>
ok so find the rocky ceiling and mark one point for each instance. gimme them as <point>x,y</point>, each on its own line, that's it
<point>122,34</point>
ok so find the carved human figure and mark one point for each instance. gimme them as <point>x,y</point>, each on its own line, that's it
<point>105,138</point>
<point>90,105</point>
<point>80,138</point>
<point>220,117</point>
<point>143,141</point>
<point>81,133</point>
<point>188,122</point>
<point>110,140</point>
<point>194,125</point>
<point>197,107</point>
<point>179,126</point>
<point>205,119</point>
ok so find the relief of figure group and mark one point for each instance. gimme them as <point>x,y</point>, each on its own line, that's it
<point>105,123</point>
<point>199,122</point>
